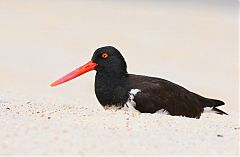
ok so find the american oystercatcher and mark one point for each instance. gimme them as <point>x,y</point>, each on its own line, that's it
<point>115,87</point>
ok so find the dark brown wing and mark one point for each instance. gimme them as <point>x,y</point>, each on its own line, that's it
<point>159,94</point>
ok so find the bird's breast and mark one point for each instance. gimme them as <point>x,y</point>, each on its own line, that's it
<point>111,92</point>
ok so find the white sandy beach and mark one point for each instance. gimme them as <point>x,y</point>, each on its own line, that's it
<point>192,44</point>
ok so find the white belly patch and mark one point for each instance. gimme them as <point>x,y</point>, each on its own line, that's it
<point>130,103</point>
<point>162,112</point>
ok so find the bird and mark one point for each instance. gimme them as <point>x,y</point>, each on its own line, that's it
<point>115,87</point>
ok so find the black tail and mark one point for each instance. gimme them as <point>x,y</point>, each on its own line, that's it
<point>219,111</point>
<point>206,102</point>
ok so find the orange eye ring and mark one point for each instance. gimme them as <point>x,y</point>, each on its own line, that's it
<point>104,55</point>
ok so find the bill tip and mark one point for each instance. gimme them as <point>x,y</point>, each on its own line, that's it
<point>52,84</point>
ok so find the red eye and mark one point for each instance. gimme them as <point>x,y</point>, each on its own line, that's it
<point>104,55</point>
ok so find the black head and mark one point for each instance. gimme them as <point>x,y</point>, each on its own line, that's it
<point>109,60</point>
<point>106,61</point>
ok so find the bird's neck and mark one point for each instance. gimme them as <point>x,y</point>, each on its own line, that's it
<point>111,78</point>
<point>111,88</point>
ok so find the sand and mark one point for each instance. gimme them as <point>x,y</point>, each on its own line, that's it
<point>49,127</point>
<point>193,44</point>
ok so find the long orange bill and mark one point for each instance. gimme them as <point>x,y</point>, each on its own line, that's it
<point>75,73</point>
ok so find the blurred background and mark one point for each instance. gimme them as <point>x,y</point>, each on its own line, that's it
<point>192,43</point>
